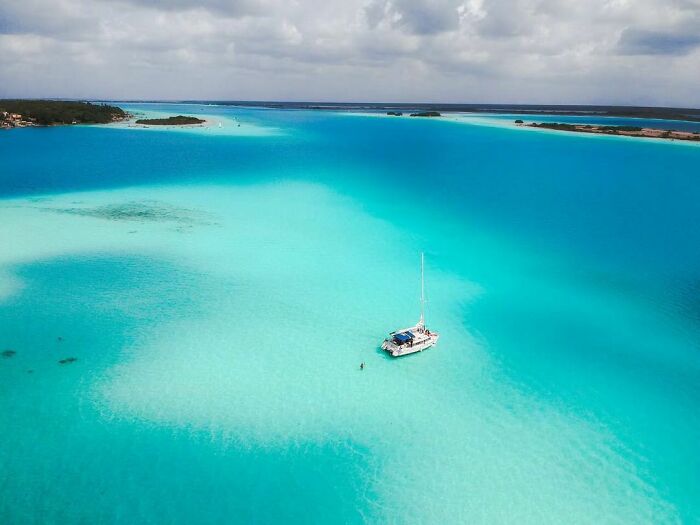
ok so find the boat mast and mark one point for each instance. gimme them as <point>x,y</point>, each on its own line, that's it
<point>422,293</point>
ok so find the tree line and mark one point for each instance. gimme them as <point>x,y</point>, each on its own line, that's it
<point>46,112</point>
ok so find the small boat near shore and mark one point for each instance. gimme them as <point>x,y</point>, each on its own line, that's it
<point>416,338</point>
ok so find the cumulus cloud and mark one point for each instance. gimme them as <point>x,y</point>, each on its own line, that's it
<point>422,17</point>
<point>559,51</point>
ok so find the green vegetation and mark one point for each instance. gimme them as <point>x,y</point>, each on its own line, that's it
<point>180,120</point>
<point>47,112</point>
<point>581,127</point>
<point>426,114</point>
<point>394,113</point>
<point>619,128</point>
<point>634,131</point>
<point>519,121</point>
<point>555,125</point>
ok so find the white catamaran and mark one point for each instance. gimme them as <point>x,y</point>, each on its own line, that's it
<point>414,339</point>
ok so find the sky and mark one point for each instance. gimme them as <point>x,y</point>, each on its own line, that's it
<point>635,52</point>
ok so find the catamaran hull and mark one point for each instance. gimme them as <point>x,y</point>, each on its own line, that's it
<point>398,351</point>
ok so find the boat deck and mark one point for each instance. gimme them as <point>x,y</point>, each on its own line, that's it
<point>409,341</point>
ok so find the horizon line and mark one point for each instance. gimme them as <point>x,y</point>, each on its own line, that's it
<point>415,104</point>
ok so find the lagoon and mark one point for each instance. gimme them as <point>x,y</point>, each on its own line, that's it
<point>220,286</point>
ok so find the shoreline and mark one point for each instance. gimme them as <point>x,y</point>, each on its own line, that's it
<point>482,119</point>
<point>212,124</point>
<point>641,112</point>
<point>624,131</point>
<point>20,124</point>
<point>135,125</point>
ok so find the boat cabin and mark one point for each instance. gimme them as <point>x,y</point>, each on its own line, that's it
<point>403,338</point>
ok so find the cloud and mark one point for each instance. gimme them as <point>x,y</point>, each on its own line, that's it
<point>566,51</point>
<point>64,19</point>
<point>234,8</point>
<point>645,42</point>
<point>421,17</point>
<point>506,18</point>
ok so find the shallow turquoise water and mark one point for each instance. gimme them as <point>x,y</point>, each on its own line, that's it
<point>220,288</point>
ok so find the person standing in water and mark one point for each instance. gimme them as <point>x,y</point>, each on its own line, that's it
<point>362,366</point>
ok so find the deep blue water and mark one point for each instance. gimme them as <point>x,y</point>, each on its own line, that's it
<point>593,193</point>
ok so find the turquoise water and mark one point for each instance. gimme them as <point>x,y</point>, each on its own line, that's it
<point>220,286</point>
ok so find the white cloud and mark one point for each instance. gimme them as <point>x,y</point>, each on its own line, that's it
<point>559,51</point>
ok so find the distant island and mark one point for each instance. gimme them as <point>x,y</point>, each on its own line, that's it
<point>426,114</point>
<point>418,114</point>
<point>180,120</point>
<point>628,131</point>
<point>23,113</point>
<point>687,114</point>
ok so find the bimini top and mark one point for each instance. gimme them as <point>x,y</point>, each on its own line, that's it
<point>404,337</point>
